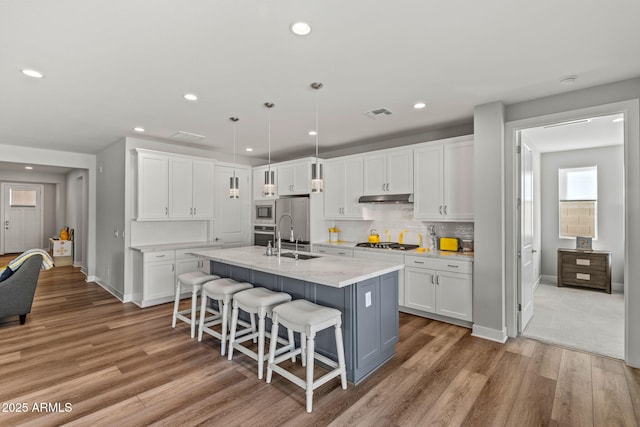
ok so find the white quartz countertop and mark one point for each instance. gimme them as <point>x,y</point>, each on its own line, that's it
<point>171,246</point>
<point>458,256</point>
<point>327,270</point>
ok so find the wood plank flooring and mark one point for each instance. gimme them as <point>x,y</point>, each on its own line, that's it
<point>116,364</point>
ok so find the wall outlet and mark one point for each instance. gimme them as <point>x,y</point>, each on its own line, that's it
<point>367,299</point>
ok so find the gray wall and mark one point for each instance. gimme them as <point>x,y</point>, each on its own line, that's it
<point>610,162</point>
<point>110,216</point>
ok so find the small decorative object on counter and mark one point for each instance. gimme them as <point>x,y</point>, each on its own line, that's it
<point>374,237</point>
<point>269,249</point>
<point>334,234</point>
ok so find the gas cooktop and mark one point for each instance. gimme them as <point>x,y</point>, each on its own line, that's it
<point>387,245</point>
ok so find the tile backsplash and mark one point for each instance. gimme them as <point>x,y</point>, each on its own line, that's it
<point>395,219</point>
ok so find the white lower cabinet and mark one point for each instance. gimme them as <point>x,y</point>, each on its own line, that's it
<point>439,286</point>
<point>155,274</point>
<point>329,250</point>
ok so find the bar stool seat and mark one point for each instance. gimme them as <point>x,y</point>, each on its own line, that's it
<point>307,319</point>
<point>195,280</point>
<point>221,290</point>
<point>258,301</point>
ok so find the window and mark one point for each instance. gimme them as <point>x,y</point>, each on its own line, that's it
<point>22,198</point>
<point>578,194</point>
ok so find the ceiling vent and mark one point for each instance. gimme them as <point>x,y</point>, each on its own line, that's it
<point>378,113</point>
<point>186,136</point>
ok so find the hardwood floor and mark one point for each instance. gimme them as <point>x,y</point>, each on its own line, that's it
<point>112,363</point>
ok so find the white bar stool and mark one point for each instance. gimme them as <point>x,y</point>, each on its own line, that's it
<point>221,290</point>
<point>195,280</point>
<point>307,319</point>
<point>258,301</point>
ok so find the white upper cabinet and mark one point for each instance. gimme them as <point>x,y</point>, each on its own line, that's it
<point>388,172</point>
<point>258,182</point>
<point>443,175</point>
<point>343,184</point>
<point>203,189</point>
<point>173,187</point>
<point>152,186</point>
<point>294,178</point>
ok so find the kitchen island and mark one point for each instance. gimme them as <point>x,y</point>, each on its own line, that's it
<point>366,293</point>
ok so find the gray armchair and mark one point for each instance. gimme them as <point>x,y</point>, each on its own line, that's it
<point>16,292</point>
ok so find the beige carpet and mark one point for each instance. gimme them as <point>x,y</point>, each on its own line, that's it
<point>586,320</point>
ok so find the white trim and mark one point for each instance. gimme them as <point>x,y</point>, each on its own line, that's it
<point>550,279</point>
<point>109,289</point>
<point>496,335</point>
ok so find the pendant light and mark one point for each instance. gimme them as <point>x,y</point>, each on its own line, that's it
<point>317,183</point>
<point>269,175</point>
<point>234,183</point>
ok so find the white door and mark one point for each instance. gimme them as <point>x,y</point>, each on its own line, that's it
<point>231,225</point>
<point>419,290</point>
<point>22,217</point>
<point>526,238</point>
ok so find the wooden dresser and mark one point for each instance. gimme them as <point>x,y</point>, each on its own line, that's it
<point>588,269</point>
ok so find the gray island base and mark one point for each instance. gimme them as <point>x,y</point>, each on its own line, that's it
<point>368,299</point>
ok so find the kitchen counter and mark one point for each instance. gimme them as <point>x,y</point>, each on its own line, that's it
<point>327,270</point>
<point>366,294</point>
<point>171,246</point>
<point>459,256</point>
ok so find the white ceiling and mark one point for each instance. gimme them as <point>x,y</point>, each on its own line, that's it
<point>112,65</point>
<point>577,134</point>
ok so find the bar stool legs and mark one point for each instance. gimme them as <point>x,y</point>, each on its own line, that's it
<point>307,319</point>
<point>221,290</point>
<point>195,280</point>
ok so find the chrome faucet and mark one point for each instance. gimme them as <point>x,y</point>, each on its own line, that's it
<point>291,238</point>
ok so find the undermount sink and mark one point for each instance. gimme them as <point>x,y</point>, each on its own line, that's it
<point>298,256</point>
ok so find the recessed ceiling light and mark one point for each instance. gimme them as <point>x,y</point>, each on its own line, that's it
<point>568,81</point>
<point>28,167</point>
<point>313,133</point>
<point>33,73</point>
<point>419,105</point>
<point>190,97</point>
<point>300,28</point>
<point>248,149</point>
<point>138,129</point>
<point>619,119</point>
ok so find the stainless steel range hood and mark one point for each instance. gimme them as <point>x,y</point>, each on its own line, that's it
<point>387,198</point>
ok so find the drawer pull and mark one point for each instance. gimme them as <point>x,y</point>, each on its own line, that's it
<point>160,256</point>
<point>583,261</point>
<point>453,266</point>
<point>418,262</point>
<point>341,253</point>
<point>583,276</point>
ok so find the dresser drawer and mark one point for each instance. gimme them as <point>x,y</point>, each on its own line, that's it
<point>586,261</point>
<point>584,278</point>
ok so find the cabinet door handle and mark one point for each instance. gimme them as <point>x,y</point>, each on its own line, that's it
<point>433,277</point>
<point>440,209</point>
<point>445,209</point>
<point>194,211</point>
<point>166,210</point>
<point>321,251</point>
<point>437,279</point>
<point>160,256</point>
<point>383,187</point>
<point>173,267</point>
<point>387,186</point>
<point>341,253</point>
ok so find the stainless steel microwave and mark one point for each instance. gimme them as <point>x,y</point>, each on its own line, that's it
<point>264,212</point>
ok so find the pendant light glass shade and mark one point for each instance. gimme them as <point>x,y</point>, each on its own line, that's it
<point>234,181</point>
<point>317,181</point>
<point>269,175</point>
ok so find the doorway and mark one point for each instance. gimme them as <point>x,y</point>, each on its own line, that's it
<point>22,216</point>
<point>590,151</point>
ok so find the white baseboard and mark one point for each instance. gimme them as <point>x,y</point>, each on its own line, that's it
<point>549,279</point>
<point>110,289</point>
<point>490,334</point>
<point>617,287</point>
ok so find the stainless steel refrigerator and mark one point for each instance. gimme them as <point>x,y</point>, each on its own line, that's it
<point>298,208</point>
